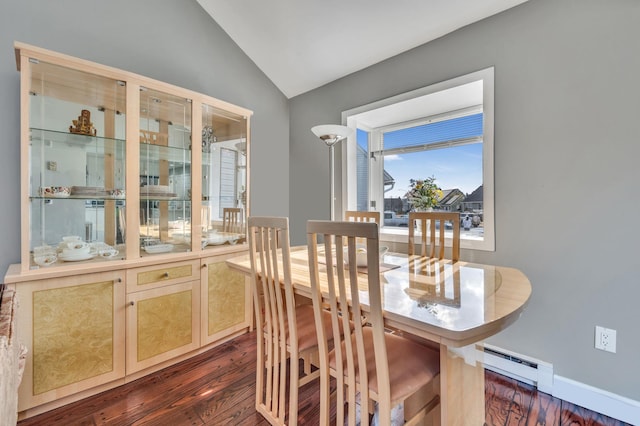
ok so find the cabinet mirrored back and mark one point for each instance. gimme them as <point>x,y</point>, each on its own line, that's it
<point>224,177</point>
<point>77,164</point>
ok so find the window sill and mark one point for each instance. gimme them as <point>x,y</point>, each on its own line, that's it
<point>470,240</point>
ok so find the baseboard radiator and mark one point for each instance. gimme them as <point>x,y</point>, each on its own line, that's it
<point>525,369</point>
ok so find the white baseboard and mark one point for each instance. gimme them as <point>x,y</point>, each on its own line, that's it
<point>598,400</point>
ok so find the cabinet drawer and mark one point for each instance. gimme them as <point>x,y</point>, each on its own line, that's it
<point>171,273</point>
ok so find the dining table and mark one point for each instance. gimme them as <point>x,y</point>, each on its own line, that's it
<point>450,305</point>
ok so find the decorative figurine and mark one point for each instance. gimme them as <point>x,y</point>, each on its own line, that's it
<point>83,125</point>
<point>207,138</point>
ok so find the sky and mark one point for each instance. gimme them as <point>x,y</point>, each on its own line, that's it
<point>453,167</point>
<point>456,167</point>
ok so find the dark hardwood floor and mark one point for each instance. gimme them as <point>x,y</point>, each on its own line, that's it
<point>217,388</point>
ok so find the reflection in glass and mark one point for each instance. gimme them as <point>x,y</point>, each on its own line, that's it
<point>76,159</point>
<point>224,177</point>
<point>433,281</point>
<point>165,172</point>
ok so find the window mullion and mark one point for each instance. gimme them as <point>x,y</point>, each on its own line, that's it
<point>376,173</point>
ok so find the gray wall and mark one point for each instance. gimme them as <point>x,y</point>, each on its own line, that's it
<point>567,106</point>
<point>169,40</point>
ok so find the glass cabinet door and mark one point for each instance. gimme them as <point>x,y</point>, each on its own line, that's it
<point>165,173</point>
<point>77,166</point>
<point>224,177</point>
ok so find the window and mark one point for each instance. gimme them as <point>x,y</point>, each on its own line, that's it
<point>445,132</point>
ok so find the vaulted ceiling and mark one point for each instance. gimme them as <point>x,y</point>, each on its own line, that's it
<point>303,44</point>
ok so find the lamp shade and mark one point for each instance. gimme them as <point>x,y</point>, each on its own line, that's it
<point>332,133</point>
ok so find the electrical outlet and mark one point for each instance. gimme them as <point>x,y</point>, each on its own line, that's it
<point>605,339</point>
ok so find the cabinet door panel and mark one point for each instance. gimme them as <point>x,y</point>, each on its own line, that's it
<point>225,300</point>
<point>74,328</point>
<point>159,332</point>
<point>72,341</point>
<point>162,323</point>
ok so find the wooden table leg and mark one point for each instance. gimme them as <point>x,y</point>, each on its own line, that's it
<point>417,401</point>
<point>462,386</point>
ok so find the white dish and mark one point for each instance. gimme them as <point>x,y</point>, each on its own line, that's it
<point>159,248</point>
<point>361,254</point>
<point>77,257</point>
<point>216,241</point>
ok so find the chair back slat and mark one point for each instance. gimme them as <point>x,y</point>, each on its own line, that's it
<point>436,224</point>
<point>275,317</point>
<point>350,295</point>
<point>232,220</point>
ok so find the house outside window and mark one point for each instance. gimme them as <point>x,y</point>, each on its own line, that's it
<point>445,132</point>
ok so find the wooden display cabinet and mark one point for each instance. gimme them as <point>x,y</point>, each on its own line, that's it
<point>123,178</point>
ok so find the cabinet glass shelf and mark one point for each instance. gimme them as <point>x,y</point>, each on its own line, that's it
<point>94,142</point>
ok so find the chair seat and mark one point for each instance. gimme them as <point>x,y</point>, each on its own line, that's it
<point>411,365</point>
<point>307,336</point>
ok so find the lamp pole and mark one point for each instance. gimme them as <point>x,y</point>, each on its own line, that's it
<point>331,134</point>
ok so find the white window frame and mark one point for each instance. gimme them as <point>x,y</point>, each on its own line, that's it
<point>355,117</point>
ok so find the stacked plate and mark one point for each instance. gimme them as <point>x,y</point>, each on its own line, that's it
<point>89,191</point>
<point>157,191</point>
<point>159,248</point>
<point>75,257</point>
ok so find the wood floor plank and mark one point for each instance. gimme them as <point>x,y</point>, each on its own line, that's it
<point>521,404</point>
<point>574,415</point>
<point>218,388</point>
<point>499,393</point>
<point>544,411</point>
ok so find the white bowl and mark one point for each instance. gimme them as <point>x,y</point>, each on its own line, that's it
<point>45,260</point>
<point>361,254</point>
<point>108,253</point>
<point>76,248</point>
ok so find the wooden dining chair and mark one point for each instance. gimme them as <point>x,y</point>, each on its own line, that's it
<point>288,330</point>
<point>433,226</point>
<point>361,216</point>
<point>232,220</point>
<point>380,366</point>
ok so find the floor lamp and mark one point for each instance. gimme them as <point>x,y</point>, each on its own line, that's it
<point>331,134</point>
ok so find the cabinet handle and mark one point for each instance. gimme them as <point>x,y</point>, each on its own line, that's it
<point>204,266</point>
<point>166,275</point>
<point>119,280</point>
<point>132,303</point>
